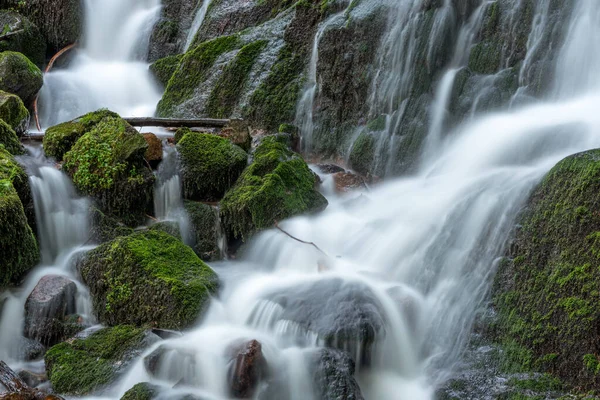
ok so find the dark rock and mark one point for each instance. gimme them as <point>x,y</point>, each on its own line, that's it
<point>247,368</point>
<point>330,168</point>
<point>14,112</point>
<point>26,38</point>
<point>30,349</point>
<point>105,227</point>
<point>18,75</point>
<point>32,379</point>
<point>169,35</point>
<point>204,232</point>
<point>166,333</point>
<point>47,308</point>
<point>333,375</point>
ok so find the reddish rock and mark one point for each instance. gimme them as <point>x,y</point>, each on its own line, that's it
<point>237,132</point>
<point>347,181</point>
<point>247,368</point>
<point>154,153</point>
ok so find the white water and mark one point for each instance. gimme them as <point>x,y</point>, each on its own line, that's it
<point>197,23</point>
<point>108,69</point>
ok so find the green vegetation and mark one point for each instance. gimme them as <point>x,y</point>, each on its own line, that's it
<point>14,112</point>
<point>164,68</point>
<point>277,185</point>
<point>81,366</point>
<point>209,165</point>
<point>148,277</point>
<point>141,391</point>
<point>19,76</point>
<point>10,140</point>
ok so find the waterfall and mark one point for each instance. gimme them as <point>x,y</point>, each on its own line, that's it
<point>197,23</point>
<point>108,69</point>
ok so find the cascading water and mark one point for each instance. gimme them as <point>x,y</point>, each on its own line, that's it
<point>197,23</point>
<point>108,70</point>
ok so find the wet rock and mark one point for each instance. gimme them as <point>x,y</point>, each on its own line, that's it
<point>347,182</point>
<point>14,112</point>
<point>26,37</point>
<point>142,391</point>
<point>47,308</point>
<point>247,368</point>
<point>147,278</point>
<point>172,364</point>
<point>343,315</point>
<point>238,133</point>
<point>333,375</point>
<point>32,379</point>
<point>210,165</point>
<point>170,32</point>
<point>18,75</point>
<point>30,349</point>
<point>170,227</point>
<point>166,333</point>
<point>105,227</point>
<point>203,228</point>
<point>9,139</point>
<point>164,68</point>
<point>154,152</point>
<point>330,168</point>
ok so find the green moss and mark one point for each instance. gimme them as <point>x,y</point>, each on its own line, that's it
<point>288,128</point>
<point>106,227</point>
<point>148,277</point>
<point>13,112</point>
<point>485,57</point>
<point>81,366</point>
<point>203,223</point>
<point>377,124</point>
<point>19,76</point>
<point>141,391</point>
<point>10,140</point>
<point>209,165</point>
<point>192,72</point>
<point>164,68</point>
<point>180,133</point>
<point>277,185</point>
<point>225,94</point>
<point>547,296</point>
<point>362,153</point>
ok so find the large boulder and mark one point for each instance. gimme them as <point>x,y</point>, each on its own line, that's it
<point>149,277</point>
<point>14,112</point>
<point>204,230</point>
<point>10,140</point>
<point>18,247</point>
<point>18,75</point>
<point>25,37</point>
<point>277,185</point>
<point>546,291</point>
<point>333,375</point>
<point>107,163</point>
<point>48,308</point>
<point>84,365</point>
<point>209,165</point>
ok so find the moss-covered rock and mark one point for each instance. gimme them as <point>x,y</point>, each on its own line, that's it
<point>107,162</point>
<point>14,112</point>
<point>204,230</point>
<point>60,138</point>
<point>10,140</point>
<point>209,165</point>
<point>362,153</point>
<point>11,170</point>
<point>547,293</point>
<point>148,277</point>
<point>164,68</point>
<point>277,185</point>
<point>180,133</point>
<point>142,391</point>
<point>105,228</point>
<point>82,366</point>
<point>192,72</point>
<point>18,75</point>
<point>26,38</point>
<point>18,247</point>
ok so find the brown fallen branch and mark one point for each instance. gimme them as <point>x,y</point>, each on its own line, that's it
<point>18,389</point>
<point>48,69</point>
<point>10,34</point>
<point>299,240</point>
<point>177,123</point>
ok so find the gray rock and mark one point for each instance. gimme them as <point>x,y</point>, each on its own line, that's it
<point>333,375</point>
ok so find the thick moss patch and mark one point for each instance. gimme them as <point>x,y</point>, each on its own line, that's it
<point>19,76</point>
<point>192,72</point>
<point>13,112</point>
<point>203,226</point>
<point>141,391</point>
<point>18,247</point>
<point>9,139</point>
<point>547,293</point>
<point>164,68</point>
<point>277,185</point>
<point>209,165</point>
<point>81,366</point>
<point>147,278</point>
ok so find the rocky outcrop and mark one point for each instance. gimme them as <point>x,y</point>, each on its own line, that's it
<point>169,35</point>
<point>546,291</point>
<point>26,37</point>
<point>19,76</point>
<point>147,278</point>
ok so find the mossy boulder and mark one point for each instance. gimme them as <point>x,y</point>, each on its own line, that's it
<point>18,247</point>
<point>105,227</point>
<point>204,230</point>
<point>142,391</point>
<point>180,133</point>
<point>60,138</point>
<point>25,37</point>
<point>362,153</point>
<point>546,292</point>
<point>107,163</point>
<point>164,68</point>
<point>18,75</point>
<point>209,165</point>
<point>82,366</point>
<point>11,170</point>
<point>277,185</point>
<point>10,140</point>
<point>14,112</point>
<point>148,277</point>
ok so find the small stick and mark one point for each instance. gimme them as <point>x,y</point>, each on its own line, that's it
<point>299,240</point>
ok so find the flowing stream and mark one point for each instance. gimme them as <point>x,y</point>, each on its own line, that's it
<point>420,251</point>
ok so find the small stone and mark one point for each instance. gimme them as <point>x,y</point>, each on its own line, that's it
<point>247,368</point>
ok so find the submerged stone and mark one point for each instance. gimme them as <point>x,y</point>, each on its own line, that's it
<point>333,375</point>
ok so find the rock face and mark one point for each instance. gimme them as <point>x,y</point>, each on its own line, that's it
<point>81,366</point>
<point>546,292</point>
<point>204,230</point>
<point>11,170</point>
<point>344,315</point>
<point>209,165</point>
<point>47,308</point>
<point>277,185</point>
<point>247,368</point>
<point>333,375</point>
<point>14,112</point>
<point>27,38</point>
<point>164,68</point>
<point>170,32</point>
<point>147,278</point>
<point>19,76</point>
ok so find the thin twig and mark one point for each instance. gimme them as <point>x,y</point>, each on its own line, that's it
<point>299,240</point>
<point>9,34</point>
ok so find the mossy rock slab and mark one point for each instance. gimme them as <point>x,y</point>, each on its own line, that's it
<point>11,170</point>
<point>26,37</point>
<point>277,185</point>
<point>164,68</point>
<point>204,230</point>
<point>82,366</point>
<point>10,140</point>
<point>142,391</point>
<point>148,277</point>
<point>18,75</point>
<point>546,291</point>
<point>107,163</point>
<point>14,112</point>
<point>105,227</point>
<point>18,248</point>
<point>210,165</point>
<point>59,139</point>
